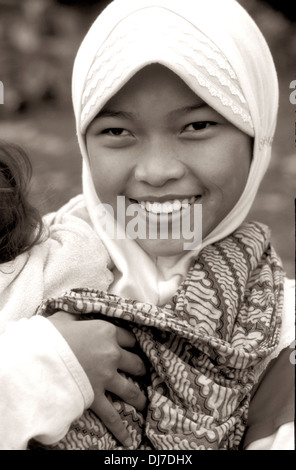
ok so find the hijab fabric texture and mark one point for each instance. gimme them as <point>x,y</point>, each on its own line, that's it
<point>219,52</point>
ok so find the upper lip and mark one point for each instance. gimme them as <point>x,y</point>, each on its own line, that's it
<point>166,197</point>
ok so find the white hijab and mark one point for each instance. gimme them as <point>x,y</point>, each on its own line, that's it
<point>219,52</point>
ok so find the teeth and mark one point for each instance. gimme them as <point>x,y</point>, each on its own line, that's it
<point>177,205</point>
<point>155,207</point>
<point>167,207</point>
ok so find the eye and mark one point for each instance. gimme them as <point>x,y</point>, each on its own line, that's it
<point>116,132</point>
<point>198,126</point>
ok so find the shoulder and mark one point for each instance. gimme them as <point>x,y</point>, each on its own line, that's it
<point>72,217</point>
<point>272,403</point>
<point>70,229</point>
<point>71,256</point>
<point>76,254</point>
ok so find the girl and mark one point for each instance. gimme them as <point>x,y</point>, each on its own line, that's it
<point>174,110</point>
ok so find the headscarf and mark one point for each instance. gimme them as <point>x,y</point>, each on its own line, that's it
<point>218,51</point>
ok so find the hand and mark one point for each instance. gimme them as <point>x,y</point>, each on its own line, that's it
<point>100,347</point>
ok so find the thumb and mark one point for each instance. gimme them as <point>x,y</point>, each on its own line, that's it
<point>60,315</point>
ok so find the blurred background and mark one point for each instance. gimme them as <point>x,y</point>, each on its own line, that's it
<point>38,42</point>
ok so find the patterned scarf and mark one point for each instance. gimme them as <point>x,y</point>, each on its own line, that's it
<point>204,347</point>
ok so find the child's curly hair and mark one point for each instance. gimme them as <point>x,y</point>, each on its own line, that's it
<point>20,223</point>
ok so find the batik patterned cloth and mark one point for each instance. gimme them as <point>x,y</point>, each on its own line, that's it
<point>205,348</point>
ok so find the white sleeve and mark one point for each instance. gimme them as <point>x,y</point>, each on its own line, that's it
<point>48,388</point>
<point>282,439</point>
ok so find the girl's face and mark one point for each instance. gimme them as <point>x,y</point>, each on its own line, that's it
<point>157,143</point>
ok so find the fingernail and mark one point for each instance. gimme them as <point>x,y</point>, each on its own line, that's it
<point>128,442</point>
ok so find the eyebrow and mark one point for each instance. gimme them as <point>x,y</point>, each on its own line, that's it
<point>105,113</point>
<point>110,113</point>
<point>188,109</point>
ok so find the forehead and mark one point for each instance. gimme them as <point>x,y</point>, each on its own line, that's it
<point>155,84</point>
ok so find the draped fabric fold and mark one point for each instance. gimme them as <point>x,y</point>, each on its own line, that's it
<point>203,347</point>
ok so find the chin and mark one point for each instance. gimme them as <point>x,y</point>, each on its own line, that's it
<point>162,247</point>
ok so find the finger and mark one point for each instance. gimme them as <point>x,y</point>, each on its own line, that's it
<point>125,338</point>
<point>131,363</point>
<point>60,315</point>
<point>112,420</point>
<point>128,391</point>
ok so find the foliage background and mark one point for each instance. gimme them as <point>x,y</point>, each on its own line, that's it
<point>38,43</point>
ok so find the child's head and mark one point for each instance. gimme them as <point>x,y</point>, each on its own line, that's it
<point>140,63</point>
<point>20,223</point>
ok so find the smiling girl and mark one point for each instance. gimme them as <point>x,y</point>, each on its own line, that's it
<point>173,110</point>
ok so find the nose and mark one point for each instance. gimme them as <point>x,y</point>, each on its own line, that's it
<point>158,164</point>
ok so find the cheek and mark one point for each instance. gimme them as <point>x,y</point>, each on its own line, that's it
<point>108,174</point>
<point>241,161</point>
<point>231,169</point>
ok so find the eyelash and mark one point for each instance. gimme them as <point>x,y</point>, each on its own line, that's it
<point>117,131</point>
<point>113,131</point>
<point>203,124</point>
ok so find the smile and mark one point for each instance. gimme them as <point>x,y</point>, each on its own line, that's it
<point>167,207</point>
